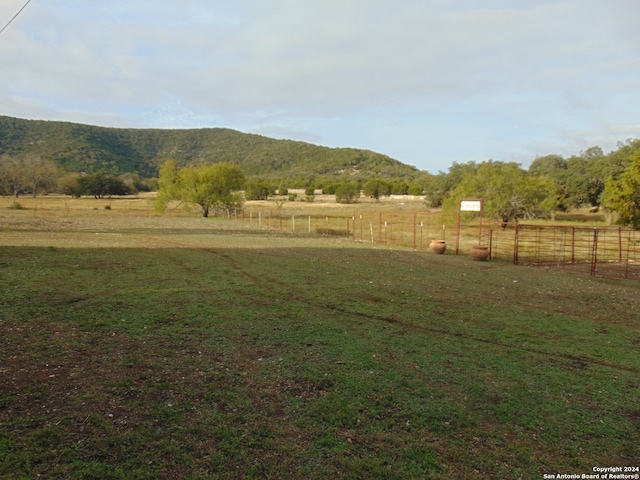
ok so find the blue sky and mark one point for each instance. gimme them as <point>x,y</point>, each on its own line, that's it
<point>427,82</point>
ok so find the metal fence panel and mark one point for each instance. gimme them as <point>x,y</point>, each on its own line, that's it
<point>598,251</point>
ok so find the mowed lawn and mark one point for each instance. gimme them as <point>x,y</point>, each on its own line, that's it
<point>188,348</point>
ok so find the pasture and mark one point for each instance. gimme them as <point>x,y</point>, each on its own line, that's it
<point>137,346</point>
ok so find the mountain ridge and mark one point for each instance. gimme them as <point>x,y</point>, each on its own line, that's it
<point>77,147</point>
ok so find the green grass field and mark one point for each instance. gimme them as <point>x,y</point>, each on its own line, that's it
<point>136,347</point>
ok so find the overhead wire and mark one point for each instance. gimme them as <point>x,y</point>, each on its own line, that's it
<point>14,17</point>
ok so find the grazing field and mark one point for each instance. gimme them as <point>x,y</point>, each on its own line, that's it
<point>136,346</point>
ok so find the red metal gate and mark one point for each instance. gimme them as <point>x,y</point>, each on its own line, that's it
<point>599,251</point>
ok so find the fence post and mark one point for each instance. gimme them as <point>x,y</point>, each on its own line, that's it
<point>620,244</point>
<point>626,264</point>
<point>594,256</point>
<point>490,243</point>
<point>459,228</point>
<point>415,221</point>
<point>515,245</point>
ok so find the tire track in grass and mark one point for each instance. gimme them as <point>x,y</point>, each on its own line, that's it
<point>577,360</point>
<point>294,293</point>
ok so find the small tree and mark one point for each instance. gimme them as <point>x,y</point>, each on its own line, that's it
<point>12,176</point>
<point>39,173</point>
<point>330,188</point>
<point>401,188</point>
<point>310,194</point>
<point>415,189</point>
<point>257,190</point>
<point>100,185</point>
<point>209,186</point>
<point>70,185</point>
<point>135,183</point>
<point>377,188</point>
<point>348,192</point>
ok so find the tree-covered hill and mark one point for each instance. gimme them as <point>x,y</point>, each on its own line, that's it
<point>85,148</point>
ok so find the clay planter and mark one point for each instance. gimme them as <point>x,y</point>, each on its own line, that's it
<point>479,253</point>
<point>438,246</point>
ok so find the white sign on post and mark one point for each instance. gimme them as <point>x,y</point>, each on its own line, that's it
<point>470,206</point>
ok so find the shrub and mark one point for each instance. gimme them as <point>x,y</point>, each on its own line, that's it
<point>70,185</point>
<point>99,185</point>
<point>330,189</point>
<point>348,193</point>
<point>401,188</point>
<point>415,189</point>
<point>16,206</point>
<point>377,188</point>
<point>257,190</point>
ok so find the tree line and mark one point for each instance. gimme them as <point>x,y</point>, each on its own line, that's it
<point>550,184</point>
<point>32,174</point>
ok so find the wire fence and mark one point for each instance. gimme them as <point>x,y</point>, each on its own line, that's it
<point>598,251</point>
<point>414,230</point>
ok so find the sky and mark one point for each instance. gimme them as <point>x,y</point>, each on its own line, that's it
<point>427,82</point>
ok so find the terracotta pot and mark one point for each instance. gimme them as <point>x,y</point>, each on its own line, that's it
<point>438,246</point>
<point>479,253</point>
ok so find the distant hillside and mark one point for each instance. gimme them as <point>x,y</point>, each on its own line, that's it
<point>85,148</point>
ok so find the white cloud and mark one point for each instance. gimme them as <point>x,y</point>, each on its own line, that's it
<point>504,78</point>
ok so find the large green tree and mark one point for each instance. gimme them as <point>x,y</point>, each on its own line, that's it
<point>508,193</point>
<point>438,187</point>
<point>210,187</point>
<point>101,185</point>
<point>622,195</point>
